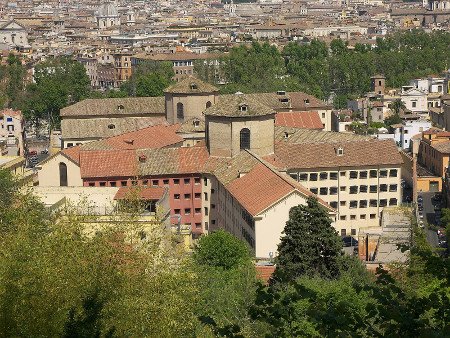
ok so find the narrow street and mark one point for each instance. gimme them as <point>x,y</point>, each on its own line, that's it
<point>429,218</point>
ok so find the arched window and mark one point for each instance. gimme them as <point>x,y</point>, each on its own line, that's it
<point>180,110</point>
<point>208,104</point>
<point>62,174</point>
<point>245,138</point>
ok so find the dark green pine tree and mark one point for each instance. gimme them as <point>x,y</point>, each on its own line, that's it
<point>310,245</point>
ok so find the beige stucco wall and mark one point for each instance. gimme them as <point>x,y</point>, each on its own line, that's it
<point>326,118</point>
<point>98,200</point>
<point>224,135</point>
<point>349,219</point>
<point>270,224</point>
<point>194,105</point>
<point>48,173</point>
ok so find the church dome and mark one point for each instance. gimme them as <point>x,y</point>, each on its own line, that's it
<point>108,10</point>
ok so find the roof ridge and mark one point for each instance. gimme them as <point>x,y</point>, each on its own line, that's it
<point>286,178</point>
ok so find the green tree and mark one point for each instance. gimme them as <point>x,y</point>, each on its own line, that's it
<point>149,79</point>
<point>58,83</point>
<point>221,249</point>
<point>309,245</point>
<point>57,278</point>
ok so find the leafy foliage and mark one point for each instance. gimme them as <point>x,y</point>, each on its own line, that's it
<point>309,245</point>
<point>221,249</point>
<point>318,70</point>
<point>149,79</point>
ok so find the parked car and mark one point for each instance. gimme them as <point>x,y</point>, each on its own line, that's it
<point>437,196</point>
<point>420,215</point>
<point>420,207</point>
<point>32,153</point>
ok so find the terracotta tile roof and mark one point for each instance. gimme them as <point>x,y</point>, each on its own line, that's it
<point>239,105</point>
<point>97,128</point>
<point>108,163</point>
<point>193,125</point>
<point>308,120</point>
<point>263,186</point>
<point>324,154</point>
<point>147,138</point>
<point>116,106</point>
<point>298,101</point>
<point>147,193</point>
<point>73,153</point>
<point>191,85</point>
<point>296,135</point>
<point>443,147</point>
<point>259,189</point>
<point>173,160</point>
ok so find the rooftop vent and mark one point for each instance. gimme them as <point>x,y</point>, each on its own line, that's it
<point>142,158</point>
<point>129,141</point>
<point>306,101</point>
<point>281,92</point>
<point>120,107</point>
<point>111,126</point>
<point>194,86</point>
<point>196,123</point>
<point>284,100</point>
<point>340,151</point>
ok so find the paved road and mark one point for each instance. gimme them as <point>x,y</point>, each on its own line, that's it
<point>429,218</point>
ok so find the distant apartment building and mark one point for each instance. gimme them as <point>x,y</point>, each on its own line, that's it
<point>12,131</point>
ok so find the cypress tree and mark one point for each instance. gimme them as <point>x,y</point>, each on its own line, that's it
<point>309,246</point>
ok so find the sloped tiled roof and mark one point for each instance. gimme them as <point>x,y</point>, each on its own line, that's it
<point>108,163</point>
<point>443,147</point>
<point>116,106</point>
<point>296,135</point>
<point>307,120</point>
<point>147,193</point>
<point>95,128</point>
<point>324,154</point>
<point>259,189</point>
<point>191,85</point>
<point>147,138</point>
<point>298,101</point>
<point>73,153</point>
<point>173,160</point>
<point>192,125</point>
<point>238,105</point>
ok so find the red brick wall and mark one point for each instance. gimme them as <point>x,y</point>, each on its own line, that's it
<point>185,194</point>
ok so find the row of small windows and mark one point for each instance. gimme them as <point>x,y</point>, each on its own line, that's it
<point>352,218</point>
<point>187,211</point>
<point>353,174</point>
<point>354,189</point>
<point>145,183</point>
<point>373,203</point>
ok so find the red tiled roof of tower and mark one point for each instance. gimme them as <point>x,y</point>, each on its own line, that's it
<point>108,163</point>
<point>307,120</point>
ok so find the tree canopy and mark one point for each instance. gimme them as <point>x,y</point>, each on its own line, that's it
<point>309,245</point>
